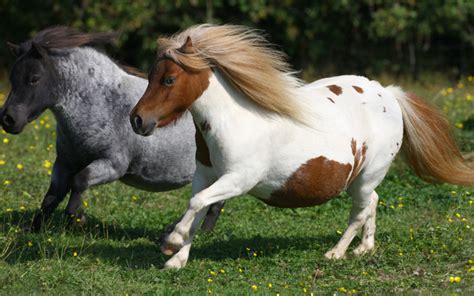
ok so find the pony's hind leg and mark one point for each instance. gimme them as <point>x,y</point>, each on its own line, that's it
<point>364,205</point>
<point>362,214</point>
<point>368,234</point>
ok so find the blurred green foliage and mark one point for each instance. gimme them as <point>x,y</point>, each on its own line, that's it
<point>324,37</point>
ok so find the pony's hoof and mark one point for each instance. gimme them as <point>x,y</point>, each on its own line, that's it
<point>334,254</point>
<point>173,264</point>
<point>169,249</point>
<point>362,249</point>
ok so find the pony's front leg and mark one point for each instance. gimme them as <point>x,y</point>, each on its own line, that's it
<point>99,171</point>
<point>179,240</point>
<point>58,189</point>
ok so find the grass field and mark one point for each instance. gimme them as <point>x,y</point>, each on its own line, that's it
<point>424,242</point>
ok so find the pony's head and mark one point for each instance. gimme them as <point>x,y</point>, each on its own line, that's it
<point>172,89</point>
<point>31,79</point>
<point>33,76</point>
<point>184,64</point>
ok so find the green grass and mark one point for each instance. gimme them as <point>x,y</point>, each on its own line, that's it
<point>423,235</point>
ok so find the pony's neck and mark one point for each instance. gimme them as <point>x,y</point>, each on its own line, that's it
<point>222,101</point>
<point>85,77</point>
<point>82,72</point>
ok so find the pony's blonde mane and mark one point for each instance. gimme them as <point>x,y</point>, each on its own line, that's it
<point>247,60</point>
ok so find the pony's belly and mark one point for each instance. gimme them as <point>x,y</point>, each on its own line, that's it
<point>150,185</point>
<point>313,183</point>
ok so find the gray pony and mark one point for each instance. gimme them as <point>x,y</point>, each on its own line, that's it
<point>91,98</point>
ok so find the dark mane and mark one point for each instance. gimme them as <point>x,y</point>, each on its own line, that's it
<point>59,37</point>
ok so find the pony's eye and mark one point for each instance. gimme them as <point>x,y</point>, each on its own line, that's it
<point>34,79</point>
<point>169,81</point>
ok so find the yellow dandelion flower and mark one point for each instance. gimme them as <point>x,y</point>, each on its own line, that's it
<point>78,220</point>
<point>469,97</point>
<point>47,125</point>
<point>457,279</point>
<point>209,280</point>
<point>342,289</point>
<point>470,261</point>
<point>3,132</point>
<point>74,254</point>
<point>2,162</point>
<point>222,270</point>
<point>134,197</point>
<point>85,203</point>
<point>22,208</point>
<point>458,215</point>
<point>30,244</point>
<point>470,78</point>
<point>248,249</point>
<point>459,125</point>
<point>443,92</point>
<point>6,141</point>
<point>209,291</point>
<point>470,202</point>
<point>254,287</point>
<point>400,205</point>
<point>41,121</point>
<point>468,226</point>
<point>222,210</point>
<point>7,182</point>
<point>400,254</point>
<point>19,166</point>
<point>49,172</point>
<point>47,164</point>
<point>460,85</point>
<point>470,269</point>
<point>353,291</point>
<point>338,232</point>
<point>305,290</point>
<point>449,90</point>
<point>8,210</point>
<point>36,126</point>
<point>50,240</point>
<point>392,206</point>
<point>270,285</point>
<point>212,272</point>
<point>255,254</point>
<point>365,273</point>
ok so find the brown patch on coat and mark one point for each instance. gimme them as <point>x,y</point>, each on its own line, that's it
<point>358,89</point>
<point>313,183</point>
<point>359,159</point>
<point>379,95</point>
<point>337,90</point>
<point>384,109</point>
<point>167,103</point>
<point>205,126</point>
<point>331,100</point>
<point>202,151</point>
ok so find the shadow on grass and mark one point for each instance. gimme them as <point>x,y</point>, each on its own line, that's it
<point>138,248</point>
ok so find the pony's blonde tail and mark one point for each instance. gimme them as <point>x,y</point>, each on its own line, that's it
<point>428,143</point>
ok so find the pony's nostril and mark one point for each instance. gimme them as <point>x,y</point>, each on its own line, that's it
<point>8,120</point>
<point>137,120</point>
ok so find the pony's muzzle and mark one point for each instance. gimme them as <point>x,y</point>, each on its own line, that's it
<point>142,127</point>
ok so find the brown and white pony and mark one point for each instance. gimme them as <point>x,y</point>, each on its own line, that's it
<point>262,131</point>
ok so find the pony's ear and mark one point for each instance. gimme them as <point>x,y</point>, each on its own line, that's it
<point>187,46</point>
<point>38,50</point>
<point>15,49</point>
